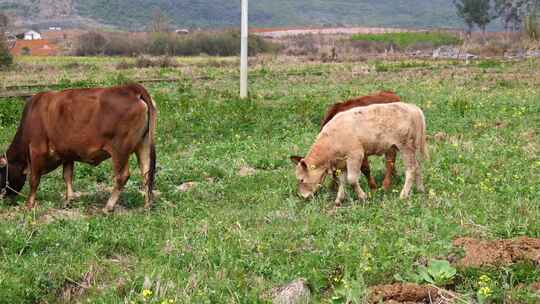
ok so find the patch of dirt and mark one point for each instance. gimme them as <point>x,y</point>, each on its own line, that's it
<point>246,171</point>
<point>408,293</point>
<point>500,252</point>
<point>61,214</point>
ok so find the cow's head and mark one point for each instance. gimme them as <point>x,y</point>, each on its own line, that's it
<point>309,177</point>
<point>16,175</point>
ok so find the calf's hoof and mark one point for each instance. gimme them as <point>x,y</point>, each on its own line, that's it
<point>107,210</point>
<point>404,196</point>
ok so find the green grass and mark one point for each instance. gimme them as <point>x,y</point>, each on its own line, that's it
<point>408,39</point>
<point>232,239</point>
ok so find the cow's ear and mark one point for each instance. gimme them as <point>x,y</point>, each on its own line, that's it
<point>3,162</point>
<point>296,159</point>
<point>304,164</point>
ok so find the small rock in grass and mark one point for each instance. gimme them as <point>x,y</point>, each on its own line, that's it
<point>246,171</point>
<point>296,292</point>
<point>185,187</point>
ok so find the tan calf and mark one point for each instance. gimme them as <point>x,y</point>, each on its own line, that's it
<point>354,134</point>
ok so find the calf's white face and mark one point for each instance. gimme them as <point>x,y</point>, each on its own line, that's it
<point>309,177</point>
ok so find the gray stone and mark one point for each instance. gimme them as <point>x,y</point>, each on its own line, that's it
<point>297,292</point>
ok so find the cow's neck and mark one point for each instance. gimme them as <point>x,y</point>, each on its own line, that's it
<point>17,153</point>
<point>321,153</point>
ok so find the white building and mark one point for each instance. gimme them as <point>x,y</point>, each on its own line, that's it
<point>32,35</point>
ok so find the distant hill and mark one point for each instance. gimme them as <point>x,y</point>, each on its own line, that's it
<point>136,14</point>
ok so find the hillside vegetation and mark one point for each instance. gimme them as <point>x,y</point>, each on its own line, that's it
<point>137,14</point>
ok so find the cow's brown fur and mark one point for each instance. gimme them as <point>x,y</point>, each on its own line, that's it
<point>379,98</point>
<point>353,134</point>
<point>83,125</point>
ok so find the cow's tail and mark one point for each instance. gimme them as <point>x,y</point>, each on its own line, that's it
<point>152,125</point>
<point>421,142</point>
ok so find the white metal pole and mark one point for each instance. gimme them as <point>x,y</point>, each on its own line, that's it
<point>244,52</point>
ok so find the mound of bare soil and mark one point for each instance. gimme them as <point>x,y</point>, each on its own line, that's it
<point>500,252</point>
<point>408,293</point>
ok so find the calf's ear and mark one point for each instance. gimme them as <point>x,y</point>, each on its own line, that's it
<point>296,159</point>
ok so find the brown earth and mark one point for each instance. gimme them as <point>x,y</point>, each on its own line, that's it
<point>500,252</point>
<point>408,293</point>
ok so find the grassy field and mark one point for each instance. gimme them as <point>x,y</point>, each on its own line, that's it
<point>234,237</point>
<point>407,39</point>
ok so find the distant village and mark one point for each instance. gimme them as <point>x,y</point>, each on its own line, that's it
<point>49,42</point>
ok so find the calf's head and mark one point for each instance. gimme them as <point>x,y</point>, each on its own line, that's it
<point>309,177</point>
<point>12,173</point>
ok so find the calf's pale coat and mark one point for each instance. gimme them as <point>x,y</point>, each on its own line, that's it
<point>354,134</point>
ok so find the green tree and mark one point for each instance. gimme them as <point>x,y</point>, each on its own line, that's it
<point>475,12</point>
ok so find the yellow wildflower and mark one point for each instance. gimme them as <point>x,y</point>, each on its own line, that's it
<point>147,293</point>
<point>485,292</point>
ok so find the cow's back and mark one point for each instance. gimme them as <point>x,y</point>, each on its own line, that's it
<point>380,98</point>
<point>81,124</point>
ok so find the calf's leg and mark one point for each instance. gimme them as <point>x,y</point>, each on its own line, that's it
<point>68,178</point>
<point>353,170</point>
<point>411,165</point>
<point>121,173</point>
<point>341,190</point>
<point>367,172</point>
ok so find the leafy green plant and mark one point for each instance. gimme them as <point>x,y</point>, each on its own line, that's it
<point>438,272</point>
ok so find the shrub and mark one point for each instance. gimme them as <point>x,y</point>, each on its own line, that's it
<point>5,57</point>
<point>169,44</point>
<point>91,44</point>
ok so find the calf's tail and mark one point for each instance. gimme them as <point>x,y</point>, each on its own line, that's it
<point>421,142</point>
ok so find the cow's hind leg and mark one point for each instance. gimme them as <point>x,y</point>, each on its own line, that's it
<point>367,172</point>
<point>121,174</point>
<point>354,166</point>
<point>411,164</point>
<point>144,159</point>
<point>68,178</point>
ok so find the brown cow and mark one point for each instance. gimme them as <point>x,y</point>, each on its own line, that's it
<point>351,135</point>
<point>84,125</point>
<point>379,98</point>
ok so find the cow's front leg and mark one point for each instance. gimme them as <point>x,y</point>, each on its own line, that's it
<point>121,173</point>
<point>390,158</point>
<point>35,177</point>
<point>68,178</point>
<point>353,170</point>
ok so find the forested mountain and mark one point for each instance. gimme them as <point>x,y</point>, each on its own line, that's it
<point>136,14</point>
